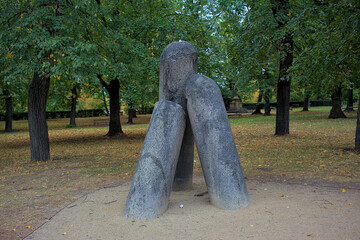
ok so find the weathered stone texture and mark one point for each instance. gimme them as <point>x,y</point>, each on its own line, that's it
<point>152,183</point>
<point>177,63</point>
<point>215,144</point>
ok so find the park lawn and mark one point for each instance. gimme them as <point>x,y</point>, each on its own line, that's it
<point>84,159</point>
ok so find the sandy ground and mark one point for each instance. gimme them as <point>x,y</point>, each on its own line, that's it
<point>278,210</point>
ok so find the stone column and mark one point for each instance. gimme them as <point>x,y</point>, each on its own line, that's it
<point>152,182</point>
<point>177,63</point>
<point>215,144</point>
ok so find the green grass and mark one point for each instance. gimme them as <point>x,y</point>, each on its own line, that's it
<point>83,158</point>
<point>317,147</point>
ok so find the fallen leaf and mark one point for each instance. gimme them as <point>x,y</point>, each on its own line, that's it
<point>281,195</point>
<point>343,190</point>
<point>309,235</point>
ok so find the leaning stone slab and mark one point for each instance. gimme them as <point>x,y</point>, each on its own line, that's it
<point>215,144</point>
<point>152,182</point>
<point>178,62</point>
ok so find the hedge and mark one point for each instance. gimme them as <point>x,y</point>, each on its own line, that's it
<point>58,114</point>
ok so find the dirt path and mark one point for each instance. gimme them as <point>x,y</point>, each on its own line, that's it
<point>277,211</point>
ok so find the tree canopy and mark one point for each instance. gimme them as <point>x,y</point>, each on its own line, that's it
<point>248,46</point>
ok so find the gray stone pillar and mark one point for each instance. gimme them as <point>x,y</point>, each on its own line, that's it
<point>178,62</point>
<point>215,144</point>
<point>152,182</point>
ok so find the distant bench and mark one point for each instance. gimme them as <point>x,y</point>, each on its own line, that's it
<point>101,120</point>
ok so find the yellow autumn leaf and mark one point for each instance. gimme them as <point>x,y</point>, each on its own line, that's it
<point>51,55</point>
<point>281,195</point>
<point>9,55</point>
<point>343,190</point>
<point>58,77</point>
<point>1,185</point>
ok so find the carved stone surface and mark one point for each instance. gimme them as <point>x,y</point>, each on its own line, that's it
<point>178,62</point>
<point>190,106</point>
<point>215,144</point>
<point>152,182</point>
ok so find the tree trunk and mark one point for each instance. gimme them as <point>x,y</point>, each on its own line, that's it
<point>282,108</point>
<point>283,87</point>
<point>73,106</point>
<point>336,111</point>
<point>8,111</point>
<point>280,9</point>
<point>258,105</point>
<point>306,103</point>
<point>38,129</point>
<point>115,125</point>
<point>131,113</point>
<point>113,90</point>
<point>357,134</point>
<point>267,103</point>
<point>350,100</point>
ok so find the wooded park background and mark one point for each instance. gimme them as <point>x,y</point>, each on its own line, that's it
<point>53,52</point>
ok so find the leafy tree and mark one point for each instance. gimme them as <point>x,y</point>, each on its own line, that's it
<point>329,56</point>
<point>44,39</point>
<point>261,41</point>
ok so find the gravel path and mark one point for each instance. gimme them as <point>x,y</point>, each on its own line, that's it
<point>278,210</point>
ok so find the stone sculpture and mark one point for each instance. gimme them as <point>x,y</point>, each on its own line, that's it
<point>190,107</point>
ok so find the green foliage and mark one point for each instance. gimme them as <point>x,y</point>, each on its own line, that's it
<point>238,41</point>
